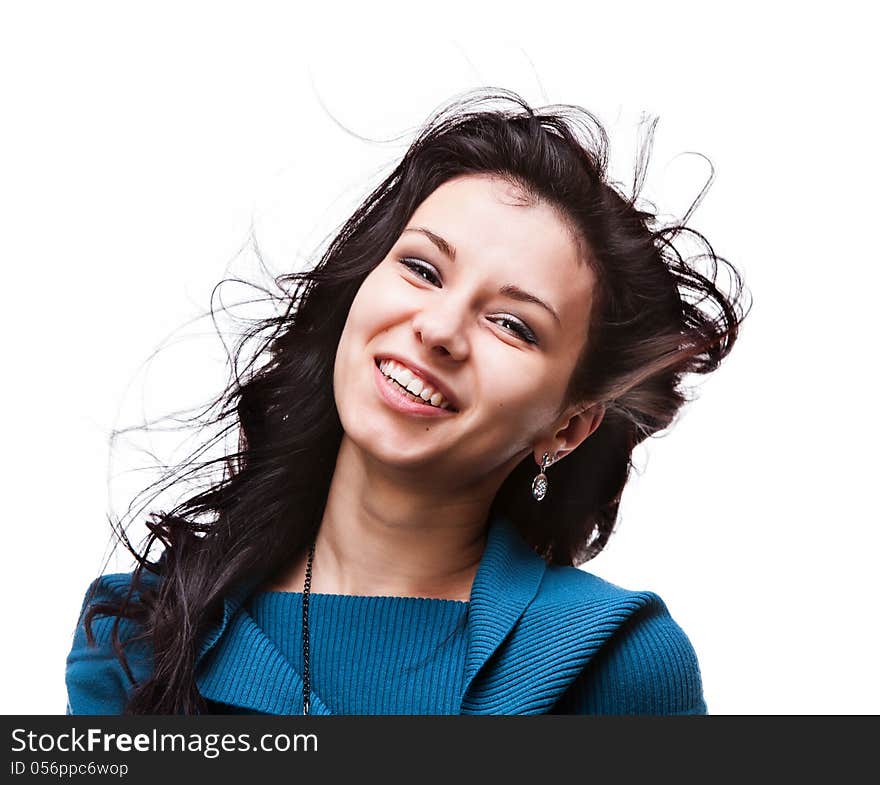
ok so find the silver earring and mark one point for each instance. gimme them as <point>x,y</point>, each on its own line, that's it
<point>539,484</point>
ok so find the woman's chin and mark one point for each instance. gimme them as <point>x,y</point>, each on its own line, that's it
<point>387,450</point>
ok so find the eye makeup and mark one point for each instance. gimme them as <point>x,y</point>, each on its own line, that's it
<point>419,266</point>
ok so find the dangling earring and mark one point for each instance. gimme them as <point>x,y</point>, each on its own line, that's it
<point>539,484</point>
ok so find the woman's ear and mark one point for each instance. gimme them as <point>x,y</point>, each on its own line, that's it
<point>574,429</point>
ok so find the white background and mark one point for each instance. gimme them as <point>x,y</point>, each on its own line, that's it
<point>140,143</point>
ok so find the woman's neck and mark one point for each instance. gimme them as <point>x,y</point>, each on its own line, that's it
<point>381,537</point>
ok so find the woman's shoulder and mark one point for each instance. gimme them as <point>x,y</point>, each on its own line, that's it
<point>642,661</point>
<point>96,680</point>
<point>563,586</point>
<point>114,588</point>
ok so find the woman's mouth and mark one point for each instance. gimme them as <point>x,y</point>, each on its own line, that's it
<point>403,400</point>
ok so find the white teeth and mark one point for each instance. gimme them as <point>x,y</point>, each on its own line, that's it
<point>413,383</point>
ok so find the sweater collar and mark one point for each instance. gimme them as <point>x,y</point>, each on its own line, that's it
<point>238,665</point>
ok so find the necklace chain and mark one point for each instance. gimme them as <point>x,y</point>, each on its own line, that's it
<point>305,629</point>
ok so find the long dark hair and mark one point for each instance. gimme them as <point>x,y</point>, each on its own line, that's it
<point>656,317</point>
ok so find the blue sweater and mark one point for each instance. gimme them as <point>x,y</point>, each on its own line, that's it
<point>397,655</point>
<point>533,639</point>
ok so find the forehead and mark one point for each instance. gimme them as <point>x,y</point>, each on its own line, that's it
<point>495,232</point>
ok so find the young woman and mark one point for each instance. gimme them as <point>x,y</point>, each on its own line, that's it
<point>439,435</point>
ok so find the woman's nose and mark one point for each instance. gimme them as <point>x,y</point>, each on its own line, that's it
<point>441,330</point>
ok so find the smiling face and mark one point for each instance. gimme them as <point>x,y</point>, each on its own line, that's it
<point>506,360</point>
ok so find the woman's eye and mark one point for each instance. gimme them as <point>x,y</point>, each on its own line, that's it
<point>520,329</point>
<point>419,267</point>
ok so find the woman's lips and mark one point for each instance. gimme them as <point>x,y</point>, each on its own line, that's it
<point>397,399</point>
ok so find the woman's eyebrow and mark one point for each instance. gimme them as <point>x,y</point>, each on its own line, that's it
<point>508,290</point>
<point>515,293</point>
<point>445,248</point>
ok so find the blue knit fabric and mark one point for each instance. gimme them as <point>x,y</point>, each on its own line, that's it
<point>373,655</point>
<point>533,639</point>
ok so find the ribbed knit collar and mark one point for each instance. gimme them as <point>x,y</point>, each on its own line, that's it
<point>239,665</point>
